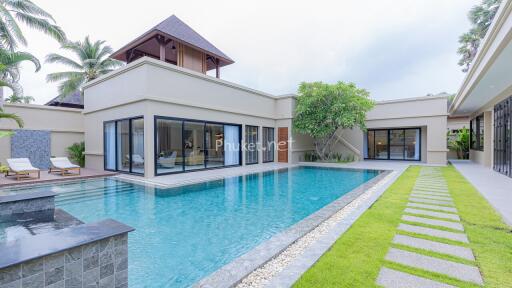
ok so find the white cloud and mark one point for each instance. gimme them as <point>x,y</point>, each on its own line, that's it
<point>394,48</point>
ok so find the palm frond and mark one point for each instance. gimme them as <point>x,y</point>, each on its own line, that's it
<point>69,86</point>
<point>59,59</point>
<point>15,58</point>
<point>42,25</point>
<point>11,116</point>
<point>60,76</point>
<point>27,6</point>
<point>12,28</point>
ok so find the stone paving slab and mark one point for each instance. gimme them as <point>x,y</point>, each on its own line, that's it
<point>440,223</point>
<point>433,207</point>
<point>455,270</point>
<point>432,213</point>
<point>431,192</point>
<point>443,198</point>
<point>433,246</point>
<point>431,188</point>
<point>430,201</point>
<point>389,278</point>
<point>434,232</point>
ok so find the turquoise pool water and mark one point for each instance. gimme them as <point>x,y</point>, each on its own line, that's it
<point>184,234</point>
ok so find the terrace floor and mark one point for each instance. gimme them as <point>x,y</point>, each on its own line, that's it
<point>53,177</point>
<point>494,186</point>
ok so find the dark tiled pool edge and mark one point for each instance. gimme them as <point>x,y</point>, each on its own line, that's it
<point>89,255</point>
<point>234,272</point>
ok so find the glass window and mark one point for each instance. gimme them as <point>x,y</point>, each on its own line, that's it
<point>381,144</point>
<point>123,145</point>
<point>480,121</point>
<point>268,144</point>
<point>396,144</point>
<point>193,137</point>
<point>214,145</point>
<point>137,142</point>
<point>393,144</point>
<point>477,133</point>
<point>412,144</point>
<point>232,145</point>
<point>370,145</point>
<point>251,140</point>
<point>110,145</point>
<point>169,146</point>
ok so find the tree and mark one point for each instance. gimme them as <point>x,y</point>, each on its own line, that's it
<point>481,17</point>
<point>323,108</point>
<point>31,15</point>
<point>19,99</point>
<point>9,70</point>
<point>93,61</point>
<point>460,143</point>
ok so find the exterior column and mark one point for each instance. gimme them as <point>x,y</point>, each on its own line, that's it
<point>161,41</point>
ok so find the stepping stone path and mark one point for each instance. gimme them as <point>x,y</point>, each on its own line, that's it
<point>430,212</point>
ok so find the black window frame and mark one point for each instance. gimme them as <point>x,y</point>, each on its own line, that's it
<point>477,124</point>
<point>388,132</point>
<point>502,153</point>
<point>246,144</point>
<point>205,122</point>
<point>130,145</point>
<point>272,144</point>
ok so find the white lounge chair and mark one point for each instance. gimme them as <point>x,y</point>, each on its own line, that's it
<point>137,160</point>
<point>63,165</point>
<point>168,162</point>
<point>21,167</point>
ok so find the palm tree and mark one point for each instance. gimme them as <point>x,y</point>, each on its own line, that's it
<point>20,99</point>
<point>93,61</point>
<point>9,68</point>
<point>30,14</point>
<point>10,116</point>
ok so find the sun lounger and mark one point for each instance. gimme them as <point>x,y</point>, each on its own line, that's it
<point>21,168</point>
<point>64,166</point>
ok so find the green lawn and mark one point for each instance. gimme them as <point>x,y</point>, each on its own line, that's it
<point>357,256</point>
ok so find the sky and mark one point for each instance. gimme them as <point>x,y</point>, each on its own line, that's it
<point>393,48</point>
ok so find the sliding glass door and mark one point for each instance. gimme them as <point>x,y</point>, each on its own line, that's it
<point>193,136</point>
<point>123,145</point>
<point>503,137</point>
<point>251,142</point>
<point>393,144</point>
<point>190,145</point>
<point>268,144</point>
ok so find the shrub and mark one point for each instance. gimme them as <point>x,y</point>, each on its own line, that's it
<point>77,153</point>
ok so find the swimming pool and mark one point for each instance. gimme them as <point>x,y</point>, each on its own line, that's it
<point>184,234</point>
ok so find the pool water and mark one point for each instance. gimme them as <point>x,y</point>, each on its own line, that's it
<point>184,234</point>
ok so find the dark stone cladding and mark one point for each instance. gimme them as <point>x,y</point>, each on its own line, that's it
<point>32,247</point>
<point>234,272</point>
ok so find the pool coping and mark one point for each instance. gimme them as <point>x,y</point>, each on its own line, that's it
<point>234,272</point>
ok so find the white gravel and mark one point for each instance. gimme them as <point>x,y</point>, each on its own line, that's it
<point>260,276</point>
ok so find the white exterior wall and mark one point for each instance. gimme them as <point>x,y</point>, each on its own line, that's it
<point>149,87</point>
<point>65,124</point>
<point>428,113</point>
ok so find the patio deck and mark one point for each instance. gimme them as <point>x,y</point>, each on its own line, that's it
<point>494,186</point>
<point>53,177</point>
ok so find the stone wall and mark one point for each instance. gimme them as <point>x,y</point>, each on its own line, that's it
<point>32,144</point>
<point>102,263</point>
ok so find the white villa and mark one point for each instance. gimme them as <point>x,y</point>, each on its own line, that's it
<point>163,114</point>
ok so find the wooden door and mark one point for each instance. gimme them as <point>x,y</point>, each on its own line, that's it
<point>282,138</point>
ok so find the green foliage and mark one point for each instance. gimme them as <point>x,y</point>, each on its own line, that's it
<point>10,116</point>
<point>9,69</point>
<point>20,99</point>
<point>3,169</point>
<point>323,108</point>
<point>459,142</point>
<point>77,153</point>
<point>481,17</point>
<point>33,16</point>
<point>360,252</point>
<point>93,61</point>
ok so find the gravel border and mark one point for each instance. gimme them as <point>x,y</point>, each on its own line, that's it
<point>234,272</point>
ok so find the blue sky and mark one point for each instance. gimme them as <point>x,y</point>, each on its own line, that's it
<point>393,48</point>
